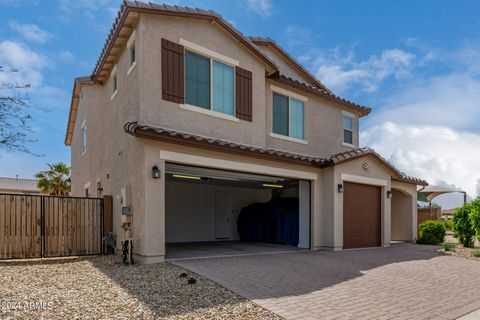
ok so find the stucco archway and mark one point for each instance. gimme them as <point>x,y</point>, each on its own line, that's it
<point>401,210</point>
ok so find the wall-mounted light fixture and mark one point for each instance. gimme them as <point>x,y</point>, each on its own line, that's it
<point>340,188</point>
<point>389,194</point>
<point>156,174</point>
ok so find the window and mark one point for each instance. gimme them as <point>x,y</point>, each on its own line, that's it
<point>114,83</point>
<point>288,116</point>
<point>223,91</point>
<point>347,129</point>
<point>197,80</point>
<point>84,138</point>
<point>209,84</point>
<point>132,54</point>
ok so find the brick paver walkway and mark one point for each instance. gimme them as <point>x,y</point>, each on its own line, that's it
<point>405,281</point>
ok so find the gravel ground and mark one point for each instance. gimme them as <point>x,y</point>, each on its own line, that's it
<point>459,250</point>
<point>102,288</point>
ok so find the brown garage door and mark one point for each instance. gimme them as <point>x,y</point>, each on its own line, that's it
<point>361,216</point>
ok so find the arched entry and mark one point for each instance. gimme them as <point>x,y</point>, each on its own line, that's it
<point>402,222</point>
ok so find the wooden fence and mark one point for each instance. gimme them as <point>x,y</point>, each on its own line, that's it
<point>49,226</point>
<point>429,213</point>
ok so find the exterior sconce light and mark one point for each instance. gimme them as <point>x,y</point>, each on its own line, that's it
<point>156,174</point>
<point>389,194</point>
<point>340,188</point>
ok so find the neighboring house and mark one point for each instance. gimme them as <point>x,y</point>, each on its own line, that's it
<point>448,213</point>
<point>186,121</point>
<point>18,185</point>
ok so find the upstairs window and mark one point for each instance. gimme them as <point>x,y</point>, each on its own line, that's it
<point>288,116</point>
<point>209,84</point>
<point>132,54</point>
<point>114,82</point>
<point>347,129</point>
<point>223,88</point>
<point>197,80</point>
<point>84,138</point>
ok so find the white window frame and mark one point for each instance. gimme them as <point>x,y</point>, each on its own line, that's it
<point>351,116</point>
<point>131,42</point>
<point>84,137</point>
<point>212,56</point>
<point>114,78</point>
<point>289,94</point>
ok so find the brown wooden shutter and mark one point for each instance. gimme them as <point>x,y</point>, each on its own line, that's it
<point>172,72</point>
<point>243,101</point>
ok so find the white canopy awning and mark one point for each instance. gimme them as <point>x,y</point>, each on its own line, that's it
<point>431,191</point>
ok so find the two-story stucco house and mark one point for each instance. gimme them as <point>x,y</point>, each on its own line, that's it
<point>188,122</point>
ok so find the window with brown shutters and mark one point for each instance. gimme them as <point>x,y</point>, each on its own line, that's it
<point>243,94</point>
<point>172,72</point>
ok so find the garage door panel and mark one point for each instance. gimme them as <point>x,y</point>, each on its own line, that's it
<point>361,216</point>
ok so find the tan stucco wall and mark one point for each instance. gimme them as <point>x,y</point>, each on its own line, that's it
<point>166,114</point>
<point>128,160</point>
<point>153,216</point>
<point>404,211</point>
<point>332,205</point>
<point>109,149</point>
<point>323,126</point>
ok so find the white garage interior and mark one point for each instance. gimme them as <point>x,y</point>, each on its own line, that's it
<point>210,212</point>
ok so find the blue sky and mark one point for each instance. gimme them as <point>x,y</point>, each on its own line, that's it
<point>416,63</point>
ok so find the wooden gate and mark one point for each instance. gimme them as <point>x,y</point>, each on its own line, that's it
<point>33,226</point>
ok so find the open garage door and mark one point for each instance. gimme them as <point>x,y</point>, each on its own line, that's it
<point>219,207</point>
<point>361,216</point>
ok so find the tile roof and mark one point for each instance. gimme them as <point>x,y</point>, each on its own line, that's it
<point>18,184</point>
<point>173,10</point>
<point>148,131</point>
<point>362,110</point>
<point>288,57</point>
<point>361,152</point>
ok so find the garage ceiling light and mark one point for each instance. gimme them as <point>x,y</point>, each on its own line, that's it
<point>181,176</point>
<point>218,174</point>
<point>268,185</point>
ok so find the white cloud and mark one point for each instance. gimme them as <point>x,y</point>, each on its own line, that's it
<point>66,56</point>
<point>261,7</point>
<point>438,154</point>
<point>340,71</point>
<point>29,63</point>
<point>297,36</point>
<point>31,32</point>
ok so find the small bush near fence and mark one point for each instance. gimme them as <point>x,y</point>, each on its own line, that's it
<point>431,232</point>
<point>476,253</point>
<point>449,224</point>
<point>462,224</point>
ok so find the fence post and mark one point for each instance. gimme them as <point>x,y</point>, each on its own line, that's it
<point>42,226</point>
<point>107,220</point>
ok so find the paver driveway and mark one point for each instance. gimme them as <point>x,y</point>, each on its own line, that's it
<point>405,281</point>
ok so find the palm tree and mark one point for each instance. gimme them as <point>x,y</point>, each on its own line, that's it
<point>56,180</point>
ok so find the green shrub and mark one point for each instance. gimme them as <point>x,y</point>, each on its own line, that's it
<point>476,253</point>
<point>475,216</point>
<point>462,225</point>
<point>449,224</point>
<point>448,247</point>
<point>431,232</point>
